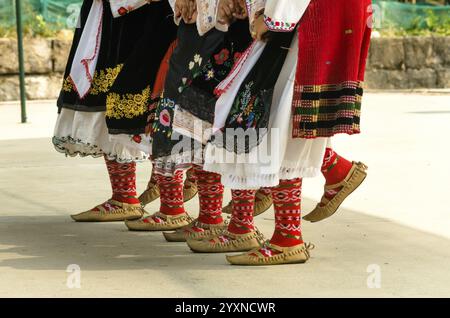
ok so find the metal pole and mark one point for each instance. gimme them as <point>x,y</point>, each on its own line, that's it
<point>21,62</point>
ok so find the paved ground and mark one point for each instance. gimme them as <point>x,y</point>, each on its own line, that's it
<point>397,226</point>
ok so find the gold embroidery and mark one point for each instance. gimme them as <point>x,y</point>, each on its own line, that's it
<point>101,83</point>
<point>104,79</point>
<point>67,85</point>
<point>128,105</point>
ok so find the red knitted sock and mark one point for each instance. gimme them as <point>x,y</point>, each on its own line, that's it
<point>210,193</point>
<point>123,181</point>
<point>243,209</point>
<point>335,169</point>
<point>171,191</point>
<point>287,203</point>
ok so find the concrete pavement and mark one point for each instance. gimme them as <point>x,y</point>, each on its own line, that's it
<point>394,230</point>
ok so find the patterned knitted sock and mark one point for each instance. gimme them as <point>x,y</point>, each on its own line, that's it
<point>243,209</point>
<point>171,191</point>
<point>265,191</point>
<point>123,181</point>
<point>334,168</point>
<point>210,192</point>
<point>287,203</point>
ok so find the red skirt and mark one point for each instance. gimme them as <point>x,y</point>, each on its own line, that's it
<point>334,39</point>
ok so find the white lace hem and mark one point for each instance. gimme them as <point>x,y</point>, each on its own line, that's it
<point>85,134</point>
<point>256,181</point>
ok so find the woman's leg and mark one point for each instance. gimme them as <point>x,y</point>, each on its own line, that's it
<point>286,245</point>
<point>152,192</point>
<point>342,177</point>
<point>210,196</point>
<point>210,220</point>
<point>171,214</point>
<point>123,181</point>
<point>124,204</point>
<point>241,234</point>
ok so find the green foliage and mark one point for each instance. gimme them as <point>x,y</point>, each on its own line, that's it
<point>7,32</point>
<point>32,27</point>
<point>430,24</point>
<point>37,27</point>
<point>34,24</point>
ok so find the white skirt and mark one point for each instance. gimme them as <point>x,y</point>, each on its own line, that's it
<point>86,134</point>
<point>279,156</point>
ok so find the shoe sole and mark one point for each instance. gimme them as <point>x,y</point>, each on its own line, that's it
<point>345,196</point>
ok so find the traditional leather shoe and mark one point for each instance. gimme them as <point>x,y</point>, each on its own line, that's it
<point>190,190</point>
<point>327,208</point>
<point>264,203</point>
<point>227,242</point>
<point>283,255</point>
<point>182,234</point>
<point>149,195</point>
<point>228,209</point>
<point>118,212</point>
<point>159,222</point>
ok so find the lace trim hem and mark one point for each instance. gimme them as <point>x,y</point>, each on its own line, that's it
<point>263,180</point>
<point>73,147</point>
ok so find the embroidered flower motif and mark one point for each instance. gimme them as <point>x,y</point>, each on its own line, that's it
<point>249,107</point>
<point>191,66</point>
<point>185,84</point>
<point>67,85</point>
<point>251,120</point>
<point>164,118</point>
<point>222,57</point>
<point>210,75</point>
<point>197,59</point>
<point>237,56</point>
<point>137,139</point>
<point>246,109</point>
<point>222,239</point>
<point>267,252</point>
<point>278,25</point>
<point>102,80</point>
<point>127,105</point>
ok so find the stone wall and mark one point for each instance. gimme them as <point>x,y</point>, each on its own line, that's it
<point>409,63</point>
<point>45,61</point>
<point>394,63</point>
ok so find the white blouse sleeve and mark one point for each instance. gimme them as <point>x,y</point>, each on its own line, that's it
<point>283,15</point>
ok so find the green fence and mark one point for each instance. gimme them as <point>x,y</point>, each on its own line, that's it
<point>55,13</point>
<point>392,14</point>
